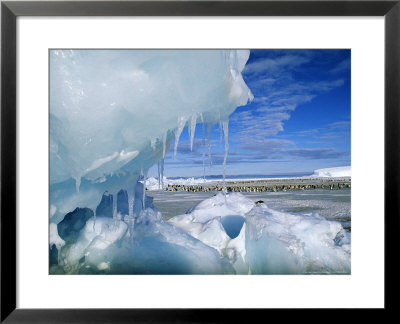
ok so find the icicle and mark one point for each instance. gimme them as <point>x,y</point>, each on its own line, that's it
<point>162,173</point>
<point>144,177</point>
<point>192,130</point>
<point>77,183</point>
<point>178,132</point>
<point>225,125</point>
<point>159,174</point>
<point>144,197</point>
<point>164,140</point>
<point>130,218</point>
<point>209,129</point>
<point>203,144</point>
<point>138,206</point>
<point>220,131</point>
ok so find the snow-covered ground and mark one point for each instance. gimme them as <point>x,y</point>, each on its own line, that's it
<point>337,172</point>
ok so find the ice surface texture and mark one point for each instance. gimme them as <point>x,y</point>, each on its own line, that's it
<point>152,246</point>
<point>268,242</point>
<point>72,223</point>
<point>116,111</point>
<point>113,113</point>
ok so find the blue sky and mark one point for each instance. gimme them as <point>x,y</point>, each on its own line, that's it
<point>299,119</point>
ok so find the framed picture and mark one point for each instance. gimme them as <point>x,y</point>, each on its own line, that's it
<point>159,204</point>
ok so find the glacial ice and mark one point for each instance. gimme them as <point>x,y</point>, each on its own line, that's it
<point>97,235</point>
<point>54,237</point>
<point>152,246</point>
<point>266,241</point>
<point>106,106</point>
<point>269,241</point>
<point>283,243</point>
<point>114,113</point>
<point>105,208</point>
<point>122,202</point>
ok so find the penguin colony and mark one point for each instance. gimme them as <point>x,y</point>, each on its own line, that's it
<point>241,187</point>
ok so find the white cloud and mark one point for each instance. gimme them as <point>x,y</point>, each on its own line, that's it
<point>274,65</point>
<point>343,66</point>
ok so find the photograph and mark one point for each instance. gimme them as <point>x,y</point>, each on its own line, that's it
<point>199,161</point>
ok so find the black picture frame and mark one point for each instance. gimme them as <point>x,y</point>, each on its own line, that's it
<point>10,10</point>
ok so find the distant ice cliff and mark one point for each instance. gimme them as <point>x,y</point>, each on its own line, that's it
<point>337,172</point>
